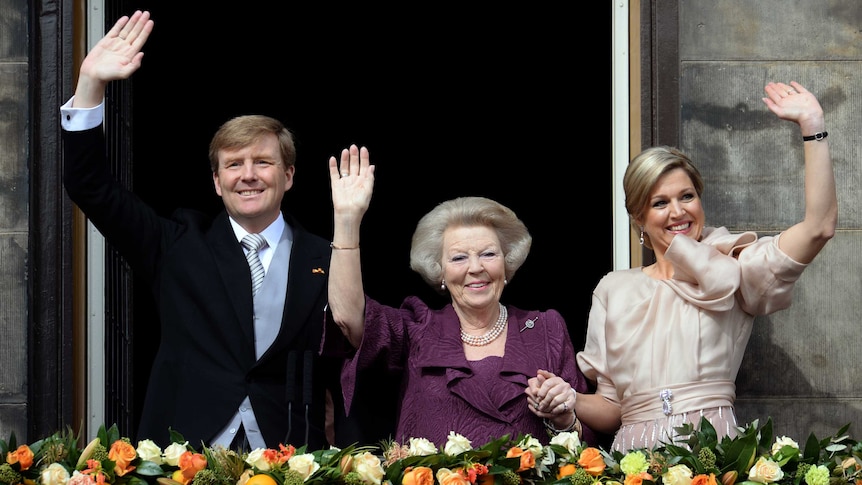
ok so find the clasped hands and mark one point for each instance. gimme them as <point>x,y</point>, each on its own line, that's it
<point>551,397</point>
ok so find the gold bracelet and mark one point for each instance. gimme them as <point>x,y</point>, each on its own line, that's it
<point>333,246</point>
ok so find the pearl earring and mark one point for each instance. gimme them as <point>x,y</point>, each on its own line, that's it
<point>443,285</point>
<point>641,240</point>
<point>505,281</point>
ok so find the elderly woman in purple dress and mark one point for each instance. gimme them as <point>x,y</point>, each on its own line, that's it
<point>476,366</point>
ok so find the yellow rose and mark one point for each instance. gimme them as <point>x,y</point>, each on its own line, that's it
<point>303,464</point>
<point>765,471</point>
<point>368,467</point>
<point>55,474</point>
<point>677,475</point>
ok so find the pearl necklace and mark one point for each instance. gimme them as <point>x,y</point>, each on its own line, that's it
<point>491,335</point>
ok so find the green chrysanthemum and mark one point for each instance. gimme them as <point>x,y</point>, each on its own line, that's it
<point>817,475</point>
<point>634,463</point>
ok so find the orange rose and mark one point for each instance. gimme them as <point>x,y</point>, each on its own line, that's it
<point>528,461</point>
<point>704,479</point>
<point>566,470</point>
<point>191,463</point>
<point>591,461</point>
<point>639,478</point>
<point>23,456</point>
<point>421,475</point>
<point>448,477</point>
<point>122,453</point>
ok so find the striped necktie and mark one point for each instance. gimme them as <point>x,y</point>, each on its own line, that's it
<point>252,243</point>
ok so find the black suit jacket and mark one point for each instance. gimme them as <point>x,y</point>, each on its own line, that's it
<point>205,364</point>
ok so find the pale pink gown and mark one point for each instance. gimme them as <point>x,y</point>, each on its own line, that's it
<point>668,351</point>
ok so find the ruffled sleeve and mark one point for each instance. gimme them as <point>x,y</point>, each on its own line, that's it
<point>724,266</point>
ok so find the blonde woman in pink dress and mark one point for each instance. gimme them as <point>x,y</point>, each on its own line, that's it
<point>665,341</point>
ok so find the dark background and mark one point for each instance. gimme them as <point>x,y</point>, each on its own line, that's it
<point>511,103</point>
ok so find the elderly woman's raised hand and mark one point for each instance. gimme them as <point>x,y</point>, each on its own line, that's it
<point>352,181</point>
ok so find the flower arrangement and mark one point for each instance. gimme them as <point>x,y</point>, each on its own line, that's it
<point>699,457</point>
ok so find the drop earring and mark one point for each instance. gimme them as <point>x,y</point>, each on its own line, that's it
<point>443,285</point>
<point>641,240</point>
<point>505,281</point>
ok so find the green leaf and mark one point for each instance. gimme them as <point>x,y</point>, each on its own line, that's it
<point>149,469</point>
<point>812,450</point>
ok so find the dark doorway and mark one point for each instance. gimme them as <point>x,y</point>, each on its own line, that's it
<point>509,103</point>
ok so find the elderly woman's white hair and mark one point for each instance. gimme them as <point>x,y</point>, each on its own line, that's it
<point>426,250</point>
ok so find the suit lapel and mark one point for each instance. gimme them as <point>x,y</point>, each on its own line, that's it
<point>235,274</point>
<point>309,264</point>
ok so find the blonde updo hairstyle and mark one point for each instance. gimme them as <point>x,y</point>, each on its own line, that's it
<point>643,173</point>
<point>426,249</point>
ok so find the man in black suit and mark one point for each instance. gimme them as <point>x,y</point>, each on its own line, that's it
<point>236,366</point>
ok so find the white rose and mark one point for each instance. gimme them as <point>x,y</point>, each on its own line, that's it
<point>531,444</point>
<point>149,451</point>
<point>369,468</point>
<point>173,452</point>
<point>257,459</point>
<point>456,444</point>
<point>303,464</point>
<point>677,475</point>
<point>55,474</point>
<point>567,440</point>
<point>421,447</point>
<point>765,471</point>
<point>782,442</point>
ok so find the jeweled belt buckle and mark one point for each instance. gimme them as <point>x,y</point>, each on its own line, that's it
<point>666,395</point>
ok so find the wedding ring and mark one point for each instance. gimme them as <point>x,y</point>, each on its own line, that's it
<point>790,92</point>
<point>344,174</point>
